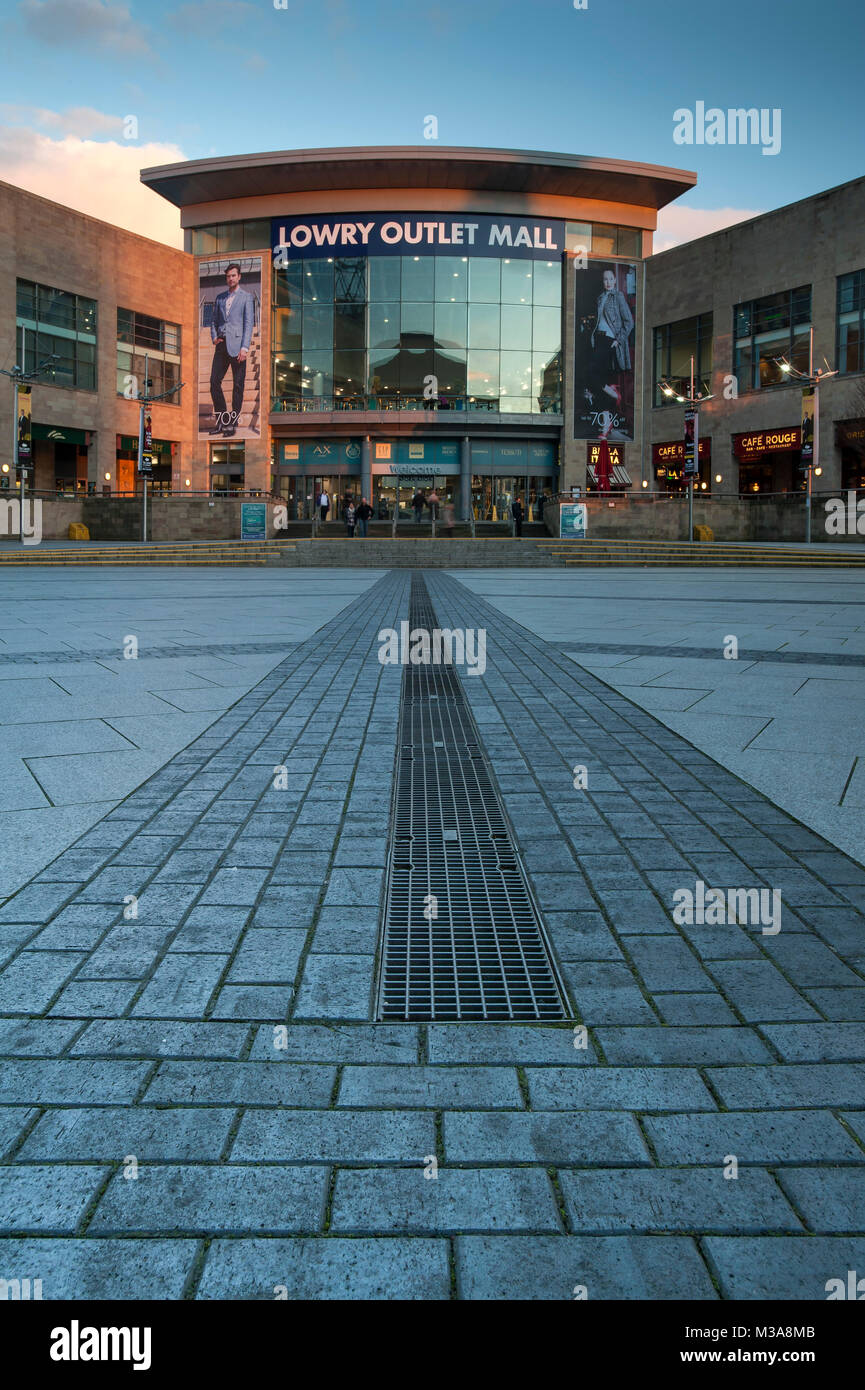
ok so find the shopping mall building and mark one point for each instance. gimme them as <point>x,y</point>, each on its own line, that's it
<point>374,320</point>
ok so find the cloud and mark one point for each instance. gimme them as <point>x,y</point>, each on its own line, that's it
<point>678,224</point>
<point>77,120</point>
<point>106,23</point>
<point>100,178</point>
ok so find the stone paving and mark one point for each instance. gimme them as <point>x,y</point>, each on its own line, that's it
<point>195,1102</point>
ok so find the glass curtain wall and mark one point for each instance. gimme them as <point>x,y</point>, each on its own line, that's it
<point>418,332</point>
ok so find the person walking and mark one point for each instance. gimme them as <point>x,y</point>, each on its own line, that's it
<point>517,514</point>
<point>418,503</point>
<point>449,517</point>
<point>349,515</point>
<point>323,504</point>
<point>363,514</point>
<point>433,504</point>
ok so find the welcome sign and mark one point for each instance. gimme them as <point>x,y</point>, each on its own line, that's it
<point>416,234</point>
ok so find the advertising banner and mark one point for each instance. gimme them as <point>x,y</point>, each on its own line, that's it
<point>573,521</point>
<point>229,348</point>
<point>806,446</point>
<point>605,300</point>
<point>415,234</point>
<point>25,444</point>
<point>690,456</point>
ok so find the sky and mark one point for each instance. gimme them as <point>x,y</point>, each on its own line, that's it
<point>95,90</point>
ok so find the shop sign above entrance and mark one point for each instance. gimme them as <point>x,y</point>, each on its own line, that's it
<point>414,234</point>
<point>752,446</point>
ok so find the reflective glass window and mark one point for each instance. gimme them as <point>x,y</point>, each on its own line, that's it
<point>546,328</point>
<point>450,325</point>
<point>516,326</point>
<point>417,322</point>
<point>418,278</point>
<point>485,276</point>
<point>384,320</point>
<point>451,282</point>
<point>384,278</point>
<point>547,283</point>
<point>317,326</point>
<point>484,325</point>
<point>483,374</point>
<point>317,281</point>
<point>516,282</point>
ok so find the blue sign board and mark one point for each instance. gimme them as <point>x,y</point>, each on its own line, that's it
<point>416,234</point>
<point>573,521</point>
<point>253,521</point>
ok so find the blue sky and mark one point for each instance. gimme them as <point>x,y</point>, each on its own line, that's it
<point>228,76</point>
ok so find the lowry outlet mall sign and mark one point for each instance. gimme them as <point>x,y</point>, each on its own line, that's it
<point>416,234</point>
<point>754,445</point>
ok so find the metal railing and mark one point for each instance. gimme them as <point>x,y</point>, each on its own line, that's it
<point>302,405</point>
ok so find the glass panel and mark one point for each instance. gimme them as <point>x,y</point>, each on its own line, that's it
<point>450,325</point>
<point>57,307</point>
<point>230,236</point>
<point>630,241</point>
<point>418,278</point>
<point>547,282</point>
<point>384,278</point>
<point>317,326</point>
<point>417,325</point>
<point>25,299</point>
<point>515,375</point>
<point>286,376</point>
<point>256,235</point>
<point>484,279</point>
<point>349,279</point>
<point>451,278</point>
<point>546,328</point>
<point>802,305</point>
<point>578,235</point>
<point>317,282</point>
<point>384,325</point>
<point>317,379</point>
<point>772,312</point>
<point>413,367</point>
<point>349,326</point>
<point>204,241</point>
<point>286,330</point>
<point>516,282</point>
<point>287,285</point>
<point>383,375</point>
<point>484,325</point>
<point>547,382</point>
<point>604,240</point>
<point>348,375</point>
<point>483,374</point>
<point>450,371</point>
<point>517,326</point>
<point>742,321</point>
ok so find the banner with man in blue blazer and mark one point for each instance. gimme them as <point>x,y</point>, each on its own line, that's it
<point>227,330</point>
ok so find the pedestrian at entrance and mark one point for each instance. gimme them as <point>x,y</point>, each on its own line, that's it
<point>349,515</point>
<point>517,514</point>
<point>363,514</point>
<point>323,504</point>
<point>418,503</point>
<point>449,518</point>
<point>433,504</point>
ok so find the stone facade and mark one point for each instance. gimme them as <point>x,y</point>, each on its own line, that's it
<point>811,242</point>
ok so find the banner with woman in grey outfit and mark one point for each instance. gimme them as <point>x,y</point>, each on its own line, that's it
<point>605,296</point>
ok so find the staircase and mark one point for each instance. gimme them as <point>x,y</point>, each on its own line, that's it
<point>701,553</point>
<point>169,553</point>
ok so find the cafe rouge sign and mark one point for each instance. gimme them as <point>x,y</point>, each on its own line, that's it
<point>416,234</point>
<point>752,446</point>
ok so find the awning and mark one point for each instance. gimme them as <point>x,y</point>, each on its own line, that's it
<point>619,479</point>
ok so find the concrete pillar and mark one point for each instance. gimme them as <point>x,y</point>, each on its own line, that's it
<point>366,469</point>
<point>465,479</point>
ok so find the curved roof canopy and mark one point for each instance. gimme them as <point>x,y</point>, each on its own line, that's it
<point>417,166</point>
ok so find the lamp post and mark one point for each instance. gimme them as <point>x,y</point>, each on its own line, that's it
<point>810,379</point>
<point>693,402</point>
<point>20,377</point>
<point>144,403</point>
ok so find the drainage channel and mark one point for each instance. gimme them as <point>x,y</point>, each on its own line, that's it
<point>462,936</point>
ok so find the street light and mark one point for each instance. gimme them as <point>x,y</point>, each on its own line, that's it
<point>693,402</point>
<point>144,402</point>
<point>810,379</point>
<point>20,377</point>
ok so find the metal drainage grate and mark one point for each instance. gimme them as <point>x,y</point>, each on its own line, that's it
<point>462,937</point>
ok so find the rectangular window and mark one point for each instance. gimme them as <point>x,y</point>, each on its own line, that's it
<point>57,327</point>
<point>768,332</point>
<point>149,347</point>
<point>673,347</point>
<point>850,352</point>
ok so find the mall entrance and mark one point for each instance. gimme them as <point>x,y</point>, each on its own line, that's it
<point>493,495</point>
<point>300,493</point>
